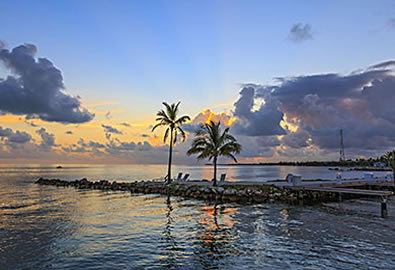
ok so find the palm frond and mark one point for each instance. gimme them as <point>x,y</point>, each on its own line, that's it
<point>182,133</point>
<point>210,142</point>
<point>157,125</point>
<point>166,135</point>
<point>168,117</point>
<point>231,156</point>
<point>182,119</point>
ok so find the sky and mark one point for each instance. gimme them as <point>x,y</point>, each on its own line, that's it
<point>81,81</point>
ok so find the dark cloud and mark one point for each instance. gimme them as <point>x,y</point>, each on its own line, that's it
<point>125,124</point>
<point>75,149</point>
<point>69,132</point>
<point>300,32</point>
<point>110,129</point>
<point>297,139</point>
<point>257,146</point>
<point>191,128</point>
<point>264,121</point>
<point>268,141</point>
<point>47,139</point>
<point>362,104</point>
<point>144,135</point>
<point>14,137</point>
<point>386,64</point>
<point>96,145</point>
<point>37,89</point>
<point>82,147</point>
<point>122,147</point>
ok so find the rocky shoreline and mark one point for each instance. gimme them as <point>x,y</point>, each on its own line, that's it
<point>258,193</point>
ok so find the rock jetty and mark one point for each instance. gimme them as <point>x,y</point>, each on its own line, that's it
<point>258,193</point>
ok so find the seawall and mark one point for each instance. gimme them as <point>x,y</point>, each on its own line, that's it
<point>229,192</point>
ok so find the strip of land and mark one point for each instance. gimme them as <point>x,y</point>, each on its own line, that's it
<point>241,192</point>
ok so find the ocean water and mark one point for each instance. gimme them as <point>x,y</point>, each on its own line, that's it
<point>46,227</point>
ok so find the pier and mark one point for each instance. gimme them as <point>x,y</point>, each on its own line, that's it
<point>350,188</point>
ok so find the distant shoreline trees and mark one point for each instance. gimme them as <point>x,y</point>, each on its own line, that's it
<point>390,158</point>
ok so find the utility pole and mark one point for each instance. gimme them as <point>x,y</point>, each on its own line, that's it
<point>342,155</point>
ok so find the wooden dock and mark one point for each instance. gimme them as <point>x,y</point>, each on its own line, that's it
<point>383,194</point>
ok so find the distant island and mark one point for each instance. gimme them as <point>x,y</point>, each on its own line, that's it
<point>377,163</point>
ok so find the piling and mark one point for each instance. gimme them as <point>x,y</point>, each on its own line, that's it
<point>384,209</point>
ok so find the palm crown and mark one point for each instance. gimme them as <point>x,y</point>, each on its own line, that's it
<point>168,117</point>
<point>211,142</point>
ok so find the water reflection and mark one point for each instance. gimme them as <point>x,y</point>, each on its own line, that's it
<point>169,259</point>
<point>66,228</point>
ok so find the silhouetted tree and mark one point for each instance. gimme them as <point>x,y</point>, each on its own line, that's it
<point>168,117</point>
<point>390,159</point>
<point>211,142</point>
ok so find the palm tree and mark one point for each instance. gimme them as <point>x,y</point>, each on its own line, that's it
<point>390,159</point>
<point>210,142</point>
<point>169,118</point>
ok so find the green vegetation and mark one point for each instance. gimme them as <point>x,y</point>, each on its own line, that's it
<point>211,142</point>
<point>390,159</point>
<point>169,118</point>
<point>346,163</point>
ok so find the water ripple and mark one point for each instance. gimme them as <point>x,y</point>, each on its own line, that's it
<point>65,228</point>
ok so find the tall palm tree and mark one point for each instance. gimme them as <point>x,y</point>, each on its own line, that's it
<point>168,117</point>
<point>390,159</point>
<point>211,142</point>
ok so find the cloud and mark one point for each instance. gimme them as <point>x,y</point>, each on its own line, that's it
<point>205,117</point>
<point>391,22</point>
<point>110,129</point>
<point>96,144</point>
<point>300,32</point>
<point>264,121</point>
<point>47,139</point>
<point>125,124</point>
<point>318,106</point>
<point>31,123</point>
<point>386,64</point>
<point>82,147</point>
<point>69,132</point>
<point>36,89</point>
<point>19,137</point>
<point>144,135</point>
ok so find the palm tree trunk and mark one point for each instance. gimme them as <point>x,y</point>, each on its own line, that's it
<point>215,172</point>
<point>170,156</point>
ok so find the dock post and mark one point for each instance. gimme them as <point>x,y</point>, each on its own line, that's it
<point>300,197</point>
<point>384,210</point>
<point>340,197</point>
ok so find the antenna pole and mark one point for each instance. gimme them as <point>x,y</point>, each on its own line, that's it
<point>342,155</point>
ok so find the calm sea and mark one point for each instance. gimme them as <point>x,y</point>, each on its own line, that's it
<point>46,227</point>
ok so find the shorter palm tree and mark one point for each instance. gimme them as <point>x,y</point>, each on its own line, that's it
<point>211,142</point>
<point>390,159</point>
